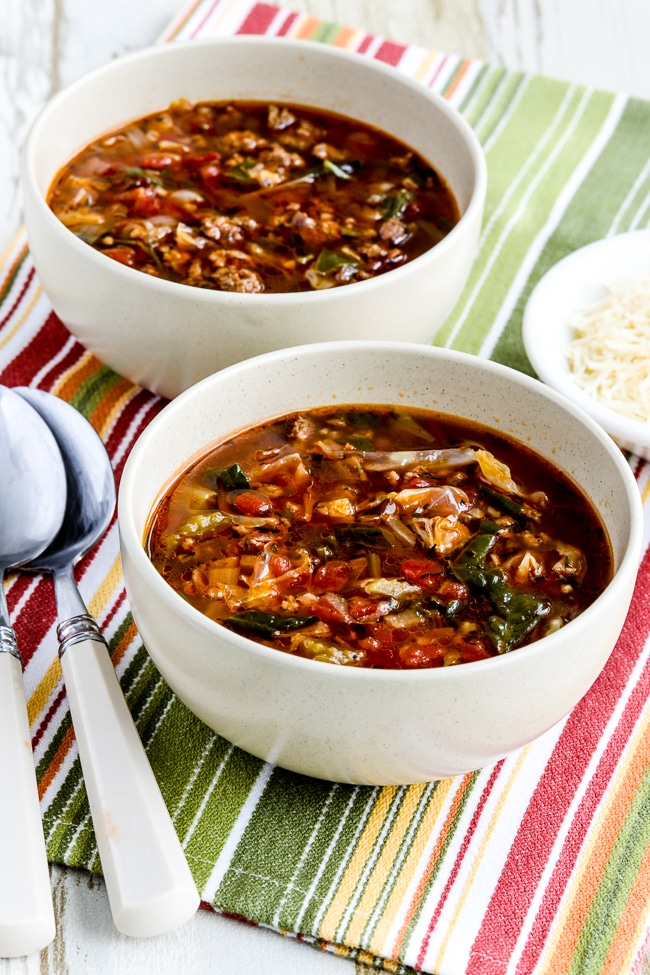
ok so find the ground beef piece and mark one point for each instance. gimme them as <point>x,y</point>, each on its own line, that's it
<point>393,230</point>
<point>280,118</point>
<point>243,140</point>
<point>223,229</point>
<point>241,279</point>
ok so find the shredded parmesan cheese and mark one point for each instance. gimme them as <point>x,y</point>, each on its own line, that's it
<point>609,355</point>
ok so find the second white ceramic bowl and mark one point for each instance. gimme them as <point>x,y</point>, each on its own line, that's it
<point>360,725</point>
<point>166,336</point>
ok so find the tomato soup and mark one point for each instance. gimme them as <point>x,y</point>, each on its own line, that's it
<point>252,197</point>
<point>380,537</point>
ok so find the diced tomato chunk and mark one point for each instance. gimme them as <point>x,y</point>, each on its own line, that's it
<point>450,590</point>
<point>157,160</point>
<point>331,609</point>
<point>280,565</point>
<point>414,655</point>
<point>142,201</point>
<point>196,160</point>
<point>252,503</point>
<point>125,255</point>
<point>422,572</point>
<point>331,576</point>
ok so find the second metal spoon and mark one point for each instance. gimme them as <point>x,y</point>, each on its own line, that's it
<point>148,881</point>
<point>32,502</point>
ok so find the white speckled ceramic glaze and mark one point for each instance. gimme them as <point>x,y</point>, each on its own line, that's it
<point>356,725</point>
<point>166,336</point>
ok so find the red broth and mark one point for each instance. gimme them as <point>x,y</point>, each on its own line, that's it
<point>253,197</point>
<point>375,537</point>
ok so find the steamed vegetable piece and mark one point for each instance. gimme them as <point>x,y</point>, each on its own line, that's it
<point>372,537</point>
<point>254,197</point>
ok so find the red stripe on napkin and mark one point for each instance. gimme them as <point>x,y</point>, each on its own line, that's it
<point>390,52</point>
<point>549,805</point>
<point>259,19</point>
<point>43,347</point>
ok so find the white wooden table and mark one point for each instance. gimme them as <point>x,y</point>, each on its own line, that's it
<point>45,44</point>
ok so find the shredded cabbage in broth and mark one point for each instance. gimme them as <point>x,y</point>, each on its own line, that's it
<point>380,538</point>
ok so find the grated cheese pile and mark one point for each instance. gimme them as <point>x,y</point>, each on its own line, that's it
<point>609,355</point>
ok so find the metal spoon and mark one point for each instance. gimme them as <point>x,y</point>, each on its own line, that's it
<point>32,502</point>
<point>149,884</point>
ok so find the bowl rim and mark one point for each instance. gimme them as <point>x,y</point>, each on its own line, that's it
<point>29,151</point>
<point>130,538</point>
<point>543,333</point>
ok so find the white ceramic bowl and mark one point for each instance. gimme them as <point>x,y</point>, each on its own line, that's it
<point>371,726</point>
<point>571,286</point>
<point>166,336</point>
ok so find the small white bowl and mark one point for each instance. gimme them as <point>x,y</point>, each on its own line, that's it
<point>165,335</point>
<point>362,725</point>
<point>572,285</point>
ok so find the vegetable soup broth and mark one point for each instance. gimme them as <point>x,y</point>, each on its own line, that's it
<point>380,538</point>
<point>253,197</point>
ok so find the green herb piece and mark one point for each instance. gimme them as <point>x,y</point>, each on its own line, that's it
<point>448,610</point>
<point>137,173</point>
<point>232,478</point>
<point>469,565</point>
<point>241,172</point>
<point>330,261</point>
<point>517,613</point>
<point>266,625</point>
<point>360,443</point>
<point>502,501</point>
<point>365,536</point>
<point>395,204</point>
<point>89,234</point>
<point>364,419</point>
<point>340,171</point>
<point>520,612</point>
<point>488,527</point>
<point>198,526</point>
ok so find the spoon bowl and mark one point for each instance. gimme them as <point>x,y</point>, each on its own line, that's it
<point>33,496</point>
<point>148,881</point>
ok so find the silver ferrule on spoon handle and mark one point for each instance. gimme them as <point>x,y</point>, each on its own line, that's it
<point>77,629</point>
<point>8,642</point>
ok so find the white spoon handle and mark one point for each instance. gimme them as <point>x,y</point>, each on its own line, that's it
<point>26,912</point>
<point>149,884</point>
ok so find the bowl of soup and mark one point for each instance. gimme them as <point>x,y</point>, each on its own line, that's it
<point>197,203</point>
<point>378,562</point>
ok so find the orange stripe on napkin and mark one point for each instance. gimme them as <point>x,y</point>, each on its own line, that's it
<point>56,762</point>
<point>44,690</point>
<point>384,863</point>
<point>631,925</point>
<point>74,378</point>
<point>346,37</point>
<point>110,406</point>
<point>358,861</point>
<point>593,860</point>
<point>130,634</point>
<point>23,318</point>
<point>457,78</point>
<point>305,27</point>
<point>447,785</point>
<point>12,268</point>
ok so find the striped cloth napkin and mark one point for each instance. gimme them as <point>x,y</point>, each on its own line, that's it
<point>539,863</point>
